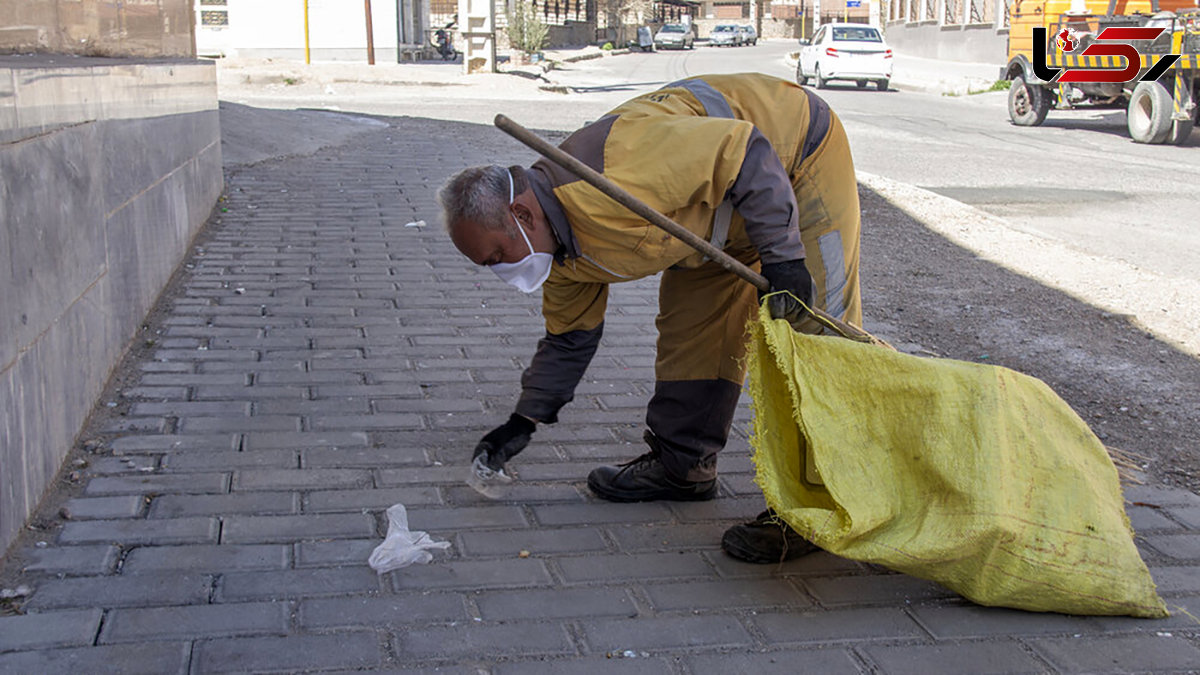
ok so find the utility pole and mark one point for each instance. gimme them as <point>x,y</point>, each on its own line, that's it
<point>370,35</point>
<point>307,57</point>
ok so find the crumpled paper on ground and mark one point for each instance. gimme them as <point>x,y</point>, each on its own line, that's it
<point>401,548</point>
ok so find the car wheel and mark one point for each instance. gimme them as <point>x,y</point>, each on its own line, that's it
<point>822,83</point>
<point>801,78</point>
<point>862,84</point>
<point>1149,115</point>
<point>1027,103</point>
<point>881,85</point>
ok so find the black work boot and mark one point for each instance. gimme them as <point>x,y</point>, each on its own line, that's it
<point>765,540</point>
<point>645,479</point>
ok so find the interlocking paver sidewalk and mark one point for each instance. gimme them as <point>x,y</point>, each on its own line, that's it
<point>318,360</point>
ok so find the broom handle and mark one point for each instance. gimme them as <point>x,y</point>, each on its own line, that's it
<point>634,204</point>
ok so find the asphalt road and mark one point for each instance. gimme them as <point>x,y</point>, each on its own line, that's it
<point>1078,178</point>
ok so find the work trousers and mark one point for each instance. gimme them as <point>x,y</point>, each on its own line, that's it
<point>703,313</point>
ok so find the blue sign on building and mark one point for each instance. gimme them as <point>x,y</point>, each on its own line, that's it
<point>854,3</point>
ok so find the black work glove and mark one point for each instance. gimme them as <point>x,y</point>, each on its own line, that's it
<point>791,276</point>
<point>505,441</point>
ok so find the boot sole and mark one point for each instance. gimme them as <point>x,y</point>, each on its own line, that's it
<point>625,497</point>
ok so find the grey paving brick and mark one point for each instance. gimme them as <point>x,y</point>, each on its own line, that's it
<point>194,379</point>
<point>300,440</point>
<point>334,553</point>
<point>372,391</point>
<point>133,590</point>
<point>377,421</point>
<point>983,658</point>
<point>783,662</point>
<point>1188,515</point>
<point>256,392</point>
<point>1177,579</point>
<point>49,630</point>
<point>473,639</point>
<point>537,541</point>
<point>1142,653</point>
<point>474,575</point>
<point>154,658</point>
<point>278,584</point>
<point>1160,496</point>
<point>428,406</point>
<point>1146,519</point>
<point>319,501</point>
<point>614,567</point>
<point>176,506</point>
<point>190,483</point>
<point>665,633</point>
<point>256,423</point>
<point>390,610</point>
<point>172,531</point>
<point>878,589</point>
<point>72,560</point>
<point>192,408</point>
<point>195,621</point>
<point>171,443</point>
<point>371,458</point>
<point>417,475</point>
<point>84,508</point>
<point>155,425</point>
<point>527,469</point>
<point>516,493</point>
<point>837,625</point>
<point>1179,546</point>
<point>600,512</point>
<point>973,621</point>
<point>157,393</point>
<point>104,466</point>
<point>557,603</point>
<point>732,510</point>
<point>593,665</point>
<point>300,479</point>
<point>303,407</point>
<point>349,650</point>
<point>732,594</point>
<point>209,461</point>
<point>271,529</point>
<point>204,558</point>
<point>465,518</point>
<point>637,538</point>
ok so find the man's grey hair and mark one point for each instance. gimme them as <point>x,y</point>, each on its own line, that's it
<point>479,195</point>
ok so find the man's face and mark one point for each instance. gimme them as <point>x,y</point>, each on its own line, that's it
<point>488,247</point>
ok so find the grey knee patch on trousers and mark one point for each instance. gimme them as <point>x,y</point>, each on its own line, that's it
<point>834,261</point>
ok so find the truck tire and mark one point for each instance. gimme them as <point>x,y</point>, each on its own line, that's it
<point>1149,114</point>
<point>1027,103</point>
<point>1181,129</point>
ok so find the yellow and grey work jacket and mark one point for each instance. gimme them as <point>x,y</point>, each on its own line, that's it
<point>716,154</point>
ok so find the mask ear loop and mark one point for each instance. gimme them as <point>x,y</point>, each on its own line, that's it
<point>514,217</point>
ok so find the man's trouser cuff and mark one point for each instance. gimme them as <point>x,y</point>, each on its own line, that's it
<point>692,419</point>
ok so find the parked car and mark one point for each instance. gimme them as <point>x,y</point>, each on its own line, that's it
<point>749,35</point>
<point>845,51</point>
<point>675,36</point>
<point>725,35</point>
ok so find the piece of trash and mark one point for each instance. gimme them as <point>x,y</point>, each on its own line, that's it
<point>402,548</point>
<point>487,481</point>
<point>415,223</point>
<point>1162,634</point>
<point>18,592</point>
<point>523,554</point>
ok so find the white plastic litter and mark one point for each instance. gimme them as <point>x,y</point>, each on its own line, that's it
<point>415,223</point>
<point>402,548</point>
<point>487,481</point>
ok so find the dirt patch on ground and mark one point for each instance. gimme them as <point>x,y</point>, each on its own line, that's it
<point>1137,392</point>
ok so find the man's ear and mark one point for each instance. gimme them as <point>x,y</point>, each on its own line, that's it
<point>524,214</point>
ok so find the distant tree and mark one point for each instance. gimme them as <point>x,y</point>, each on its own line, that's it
<point>526,30</point>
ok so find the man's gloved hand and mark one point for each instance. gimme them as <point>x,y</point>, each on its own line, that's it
<point>505,441</point>
<point>790,276</point>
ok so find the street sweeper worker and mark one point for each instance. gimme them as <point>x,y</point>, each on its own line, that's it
<point>758,166</point>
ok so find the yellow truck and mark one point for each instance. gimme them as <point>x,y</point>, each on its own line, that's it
<point>1141,55</point>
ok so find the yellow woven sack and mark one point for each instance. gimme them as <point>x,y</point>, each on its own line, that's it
<point>977,477</point>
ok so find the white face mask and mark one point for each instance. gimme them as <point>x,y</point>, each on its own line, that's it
<point>529,273</point>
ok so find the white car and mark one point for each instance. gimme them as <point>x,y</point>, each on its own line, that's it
<point>675,36</point>
<point>845,51</point>
<point>749,35</point>
<point>725,35</point>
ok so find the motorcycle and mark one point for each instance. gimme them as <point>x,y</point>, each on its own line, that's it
<point>443,43</point>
